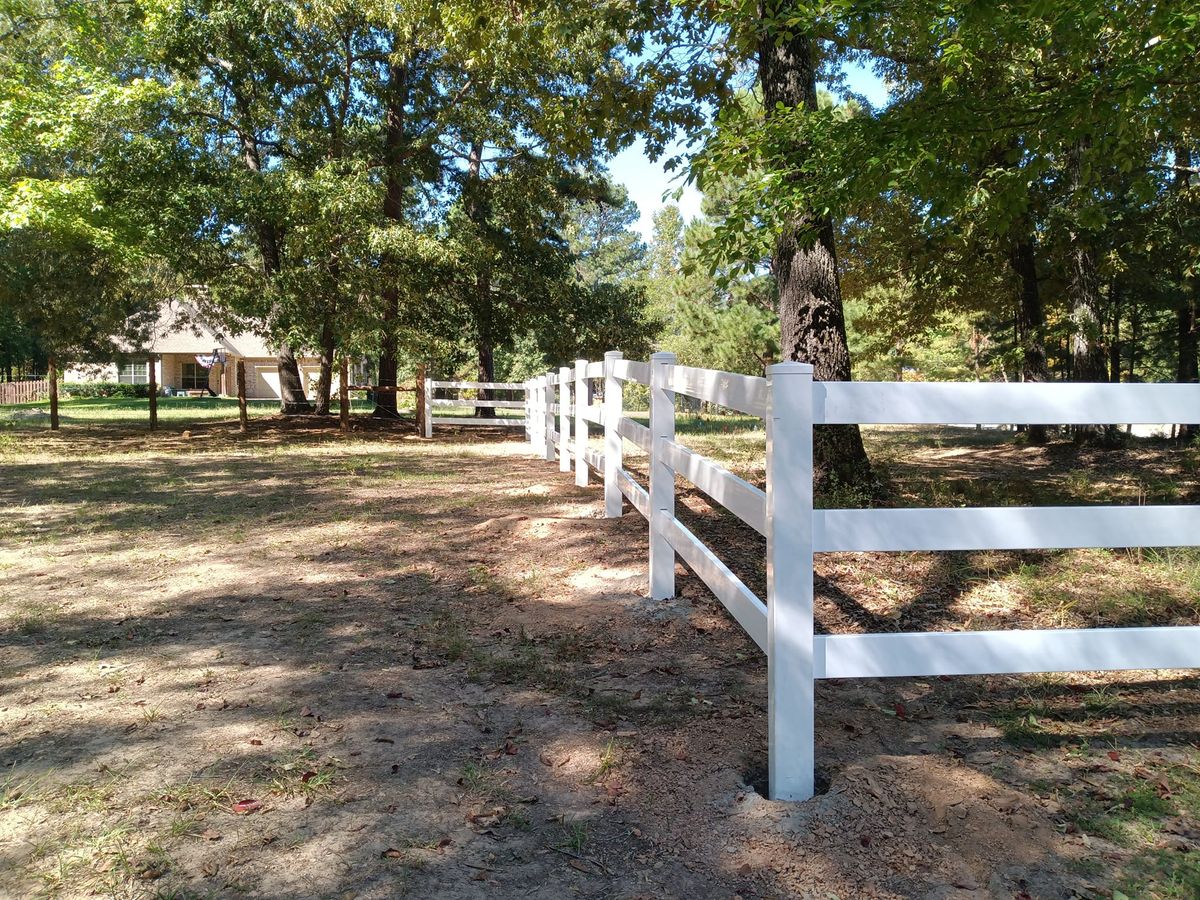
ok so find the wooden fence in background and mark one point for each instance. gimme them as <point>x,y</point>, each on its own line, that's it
<point>559,414</point>
<point>24,391</point>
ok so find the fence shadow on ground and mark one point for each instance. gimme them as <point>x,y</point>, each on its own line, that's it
<point>390,644</point>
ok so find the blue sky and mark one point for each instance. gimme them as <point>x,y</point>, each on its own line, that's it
<point>647,182</point>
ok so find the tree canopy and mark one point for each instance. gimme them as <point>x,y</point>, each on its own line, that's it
<point>420,182</point>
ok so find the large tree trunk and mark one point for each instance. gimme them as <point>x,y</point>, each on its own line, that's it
<point>1135,322</point>
<point>487,372</point>
<point>1114,343</point>
<point>1031,317</point>
<point>325,378</point>
<point>1187,369</point>
<point>420,392</point>
<point>811,318</point>
<point>152,390</point>
<point>52,377</point>
<point>243,417</point>
<point>483,285</point>
<point>385,389</point>
<point>1087,338</point>
<point>292,397</point>
<point>393,209</point>
<point>344,395</point>
<point>1088,362</point>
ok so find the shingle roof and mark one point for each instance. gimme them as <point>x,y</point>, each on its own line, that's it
<point>181,329</point>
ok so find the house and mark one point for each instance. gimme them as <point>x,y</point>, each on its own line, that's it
<point>194,357</point>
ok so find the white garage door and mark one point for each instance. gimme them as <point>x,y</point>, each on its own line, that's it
<point>266,383</point>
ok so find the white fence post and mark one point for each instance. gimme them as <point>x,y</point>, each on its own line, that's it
<point>564,419</point>
<point>790,685</point>
<point>548,416</point>
<point>612,439</point>
<point>427,425</point>
<point>539,415</point>
<point>529,412</point>
<point>662,478</point>
<point>581,425</point>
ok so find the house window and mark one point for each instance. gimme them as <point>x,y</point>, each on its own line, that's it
<point>134,373</point>
<point>193,377</point>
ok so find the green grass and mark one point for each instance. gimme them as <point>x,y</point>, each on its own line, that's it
<point>483,783</point>
<point>16,792</point>
<point>298,773</point>
<point>1161,875</point>
<point>1130,818</point>
<point>610,756</point>
<point>171,410</point>
<point>574,837</point>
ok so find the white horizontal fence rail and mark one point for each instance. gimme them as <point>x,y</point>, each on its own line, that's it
<point>482,404</point>
<point>628,370</point>
<point>791,404</point>
<point>1004,528</point>
<point>744,393</point>
<point>477,385</point>
<point>634,432</point>
<point>1008,652</point>
<point>634,493</point>
<point>740,497</point>
<point>979,403</point>
<point>431,402</point>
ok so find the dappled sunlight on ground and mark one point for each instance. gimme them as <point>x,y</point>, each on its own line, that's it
<point>296,663</point>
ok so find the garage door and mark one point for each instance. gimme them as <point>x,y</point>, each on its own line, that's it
<point>266,383</point>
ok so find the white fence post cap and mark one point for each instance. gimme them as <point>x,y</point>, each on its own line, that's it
<point>790,368</point>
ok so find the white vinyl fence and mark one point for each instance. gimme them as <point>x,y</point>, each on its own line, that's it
<point>515,399</point>
<point>791,403</point>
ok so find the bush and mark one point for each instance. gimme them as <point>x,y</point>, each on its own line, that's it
<point>91,390</point>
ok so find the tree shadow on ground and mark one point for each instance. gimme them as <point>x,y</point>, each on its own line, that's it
<point>429,668</point>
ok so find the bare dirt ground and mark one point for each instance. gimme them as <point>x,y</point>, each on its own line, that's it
<point>298,665</point>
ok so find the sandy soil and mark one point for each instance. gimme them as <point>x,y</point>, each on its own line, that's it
<point>298,665</point>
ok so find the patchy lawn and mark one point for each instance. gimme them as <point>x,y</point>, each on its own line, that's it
<point>297,664</point>
<point>181,411</point>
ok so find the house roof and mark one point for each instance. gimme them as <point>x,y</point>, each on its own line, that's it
<point>181,329</point>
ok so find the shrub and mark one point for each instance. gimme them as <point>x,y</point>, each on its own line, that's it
<point>93,389</point>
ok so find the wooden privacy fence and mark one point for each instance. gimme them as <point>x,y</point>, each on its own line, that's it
<point>431,401</point>
<point>791,404</point>
<point>24,391</point>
